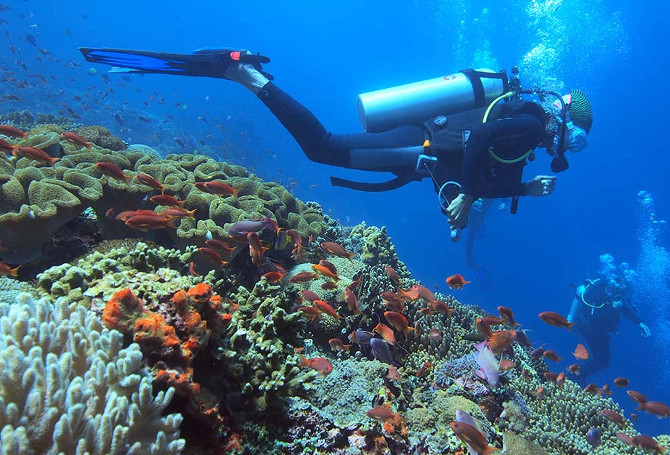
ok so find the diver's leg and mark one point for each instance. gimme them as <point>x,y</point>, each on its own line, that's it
<point>387,151</point>
<point>599,350</point>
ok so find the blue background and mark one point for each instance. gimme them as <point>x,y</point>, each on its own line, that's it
<point>325,53</point>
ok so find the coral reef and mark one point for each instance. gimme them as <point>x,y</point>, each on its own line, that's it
<point>67,385</point>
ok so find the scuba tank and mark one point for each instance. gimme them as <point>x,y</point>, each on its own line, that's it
<point>412,104</point>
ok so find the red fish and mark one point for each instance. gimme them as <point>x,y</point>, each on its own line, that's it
<point>439,307</point>
<point>352,301</point>
<point>302,277</point>
<point>643,442</point>
<point>220,245</point>
<point>660,410</point>
<point>473,438</point>
<point>613,416</point>
<point>424,370</point>
<point>312,312</point>
<point>297,242</point>
<point>6,270</point>
<point>167,200</point>
<point>146,222</point>
<point>256,248</point>
<point>76,139</point>
<point>580,352</point>
<point>456,281</point>
<point>212,255</point>
<point>328,285</point>
<point>381,413</point>
<point>506,364</point>
<point>551,355</point>
<point>390,271</point>
<point>112,170</point>
<point>337,345</point>
<point>151,182</point>
<point>308,295</point>
<point>11,131</point>
<point>34,154</point>
<point>336,250</point>
<point>539,393</point>
<point>328,265</point>
<point>399,322</point>
<point>574,368</point>
<point>6,146</point>
<point>220,188</point>
<point>555,319</point>
<point>325,271</point>
<point>621,382</point>
<point>386,332</point>
<point>123,216</point>
<point>326,308</point>
<point>507,315</point>
<point>319,364</point>
<point>592,389</point>
<point>178,212</point>
<point>273,277</point>
<point>636,396</point>
<point>500,340</point>
<point>560,379</point>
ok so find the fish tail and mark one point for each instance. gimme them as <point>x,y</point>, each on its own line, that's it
<point>407,330</point>
<point>15,271</point>
<point>303,361</point>
<point>52,161</point>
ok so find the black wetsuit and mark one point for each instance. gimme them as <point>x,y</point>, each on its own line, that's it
<point>513,129</point>
<point>595,323</point>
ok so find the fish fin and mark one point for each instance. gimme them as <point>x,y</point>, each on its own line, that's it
<point>15,271</point>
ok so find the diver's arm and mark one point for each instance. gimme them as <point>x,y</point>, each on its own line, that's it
<point>575,306</point>
<point>629,312</point>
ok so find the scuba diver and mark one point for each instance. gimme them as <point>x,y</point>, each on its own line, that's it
<point>596,310</point>
<point>470,132</point>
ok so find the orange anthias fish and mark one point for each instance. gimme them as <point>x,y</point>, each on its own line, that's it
<point>112,170</point>
<point>318,364</point>
<point>302,277</point>
<point>386,332</point>
<point>311,312</point>
<point>424,370</point>
<point>76,139</point>
<point>326,308</point>
<point>167,200</point>
<point>6,146</point>
<point>390,271</point>
<point>336,250</point>
<point>621,382</point>
<point>352,301</point>
<point>507,315</point>
<point>551,355</point>
<point>220,188</point>
<point>580,352</point>
<point>212,255</point>
<point>273,276</point>
<point>399,322</point>
<point>6,270</point>
<point>146,179</point>
<point>220,245</point>
<point>337,345</point>
<point>473,438</point>
<point>146,222</point>
<point>11,131</point>
<point>325,271</point>
<point>381,413</point>
<point>574,368</point>
<point>456,281</point>
<point>34,154</point>
<point>256,248</point>
<point>500,340</point>
<point>555,319</point>
<point>613,416</point>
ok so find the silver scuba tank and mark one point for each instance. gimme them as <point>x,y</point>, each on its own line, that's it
<point>411,104</point>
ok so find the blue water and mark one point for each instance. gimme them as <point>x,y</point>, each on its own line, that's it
<point>325,55</point>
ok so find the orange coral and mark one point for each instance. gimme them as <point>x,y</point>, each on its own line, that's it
<point>200,293</point>
<point>152,329</point>
<point>182,382</point>
<point>181,301</point>
<point>122,310</point>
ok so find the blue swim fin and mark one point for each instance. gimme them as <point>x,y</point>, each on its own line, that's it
<point>200,63</point>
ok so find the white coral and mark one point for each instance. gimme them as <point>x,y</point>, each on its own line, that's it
<point>67,386</point>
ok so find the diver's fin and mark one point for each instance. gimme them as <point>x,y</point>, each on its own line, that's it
<point>202,63</point>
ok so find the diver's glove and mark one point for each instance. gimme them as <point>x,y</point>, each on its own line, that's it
<point>644,329</point>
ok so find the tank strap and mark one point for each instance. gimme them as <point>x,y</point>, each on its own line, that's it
<point>475,77</point>
<point>373,187</point>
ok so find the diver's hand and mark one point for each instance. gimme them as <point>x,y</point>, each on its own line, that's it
<point>644,329</point>
<point>459,209</point>
<point>541,185</point>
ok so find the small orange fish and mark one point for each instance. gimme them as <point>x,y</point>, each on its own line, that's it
<point>381,413</point>
<point>551,355</point>
<point>424,370</point>
<point>191,269</point>
<point>328,285</point>
<point>539,393</point>
<point>146,222</point>
<point>634,417</point>
<point>11,131</point>
<point>336,250</point>
<point>456,281</point>
<point>311,312</point>
<point>178,212</point>
<point>560,379</point>
<point>36,154</point>
<point>435,334</point>
<point>76,139</point>
<point>574,368</point>
<point>550,376</point>
<point>6,270</point>
<point>555,319</point>
<point>580,352</point>
<point>393,373</point>
<point>167,200</point>
<point>621,382</point>
<point>507,315</point>
<point>273,276</point>
<point>473,438</point>
<point>386,332</point>
<point>319,364</point>
<point>256,248</point>
<point>506,364</point>
<point>483,328</point>
<point>212,255</point>
<point>337,345</point>
<point>592,389</point>
<point>329,265</point>
<point>302,277</point>
<point>398,322</point>
<point>657,408</point>
<point>146,179</point>
<point>6,146</point>
<point>326,308</point>
<point>220,188</point>
<point>501,340</point>
<point>308,295</point>
<point>439,307</point>
<point>392,274</point>
<point>112,170</point>
<point>220,245</point>
<point>325,271</point>
<point>636,396</point>
<point>613,416</point>
<point>605,389</point>
<point>352,301</point>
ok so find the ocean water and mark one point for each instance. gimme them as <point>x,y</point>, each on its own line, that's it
<point>324,54</point>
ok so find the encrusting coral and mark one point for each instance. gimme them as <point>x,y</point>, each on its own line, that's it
<point>67,385</point>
